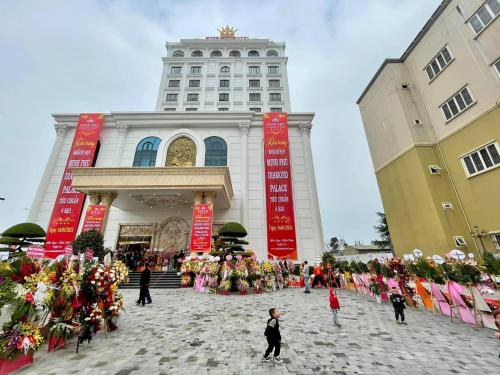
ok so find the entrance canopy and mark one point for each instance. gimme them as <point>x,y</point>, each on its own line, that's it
<point>168,187</point>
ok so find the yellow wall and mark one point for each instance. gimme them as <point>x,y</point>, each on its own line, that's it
<point>480,194</point>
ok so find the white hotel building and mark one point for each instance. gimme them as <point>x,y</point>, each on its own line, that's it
<point>204,141</point>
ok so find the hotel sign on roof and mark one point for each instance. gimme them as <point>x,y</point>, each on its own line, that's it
<point>226,33</point>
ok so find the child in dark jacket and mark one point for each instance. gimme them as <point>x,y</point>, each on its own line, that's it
<point>398,305</point>
<point>273,336</point>
<point>335,306</point>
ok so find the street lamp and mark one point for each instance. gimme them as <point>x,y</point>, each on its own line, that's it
<point>479,234</point>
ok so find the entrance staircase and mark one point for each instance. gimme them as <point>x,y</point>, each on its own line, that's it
<point>159,280</point>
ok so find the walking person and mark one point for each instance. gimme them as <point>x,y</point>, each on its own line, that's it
<point>398,305</point>
<point>144,287</point>
<point>305,272</point>
<point>334,306</point>
<point>273,336</point>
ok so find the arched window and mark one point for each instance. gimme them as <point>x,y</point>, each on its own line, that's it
<point>178,53</point>
<point>145,152</point>
<point>235,53</point>
<point>272,53</point>
<point>216,53</point>
<point>197,53</point>
<point>215,152</point>
<point>225,69</point>
<point>181,153</point>
<point>253,53</point>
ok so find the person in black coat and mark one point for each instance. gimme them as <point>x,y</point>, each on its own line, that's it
<point>144,287</point>
<point>273,336</point>
<point>398,305</point>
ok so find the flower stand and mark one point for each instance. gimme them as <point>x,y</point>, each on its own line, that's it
<point>243,292</point>
<point>257,291</point>
<point>8,366</point>
<point>225,292</point>
<point>55,342</point>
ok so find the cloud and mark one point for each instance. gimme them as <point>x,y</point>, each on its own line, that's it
<point>62,56</point>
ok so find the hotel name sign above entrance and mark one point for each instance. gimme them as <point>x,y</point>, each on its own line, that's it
<point>226,33</point>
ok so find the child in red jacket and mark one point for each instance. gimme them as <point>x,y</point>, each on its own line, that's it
<point>335,306</point>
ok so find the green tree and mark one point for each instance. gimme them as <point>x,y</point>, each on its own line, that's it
<point>91,239</point>
<point>23,235</point>
<point>382,230</point>
<point>229,240</point>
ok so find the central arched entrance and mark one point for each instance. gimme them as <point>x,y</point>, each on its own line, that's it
<point>172,235</point>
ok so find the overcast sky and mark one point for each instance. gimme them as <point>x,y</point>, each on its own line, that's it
<point>101,56</point>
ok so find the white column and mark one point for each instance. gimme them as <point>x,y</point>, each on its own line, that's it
<point>122,137</point>
<point>47,174</point>
<point>305,131</point>
<point>244,129</point>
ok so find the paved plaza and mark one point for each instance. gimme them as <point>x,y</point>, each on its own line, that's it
<point>184,332</point>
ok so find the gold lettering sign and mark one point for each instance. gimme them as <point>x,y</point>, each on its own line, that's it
<point>181,153</point>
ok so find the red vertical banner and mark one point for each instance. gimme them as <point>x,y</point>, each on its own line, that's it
<point>94,217</point>
<point>201,229</point>
<point>281,238</point>
<point>69,203</point>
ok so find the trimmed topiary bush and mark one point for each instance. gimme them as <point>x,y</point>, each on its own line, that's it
<point>91,239</point>
<point>26,231</point>
<point>233,229</point>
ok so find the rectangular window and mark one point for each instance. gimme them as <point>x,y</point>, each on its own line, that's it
<point>223,97</point>
<point>254,83</point>
<point>192,97</point>
<point>276,109</point>
<point>254,96</point>
<point>223,109</point>
<point>274,83</point>
<point>484,159</point>
<point>174,83</point>
<point>171,97</point>
<point>273,69</point>
<point>457,103</point>
<point>275,97</point>
<point>495,237</point>
<point>438,64</point>
<point>254,70</point>
<point>194,83</point>
<point>497,66</point>
<point>484,15</point>
<point>255,109</point>
<point>224,83</point>
<point>169,109</point>
<point>196,70</point>
<point>191,109</point>
<point>176,70</point>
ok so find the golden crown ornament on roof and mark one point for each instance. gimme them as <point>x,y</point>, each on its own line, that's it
<point>227,32</point>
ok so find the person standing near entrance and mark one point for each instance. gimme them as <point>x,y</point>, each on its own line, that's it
<point>398,305</point>
<point>305,271</point>
<point>144,286</point>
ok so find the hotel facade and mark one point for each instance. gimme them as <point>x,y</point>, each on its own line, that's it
<point>203,143</point>
<point>432,121</point>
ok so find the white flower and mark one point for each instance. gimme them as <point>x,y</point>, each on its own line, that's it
<point>99,283</point>
<point>97,274</point>
<point>92,282</point>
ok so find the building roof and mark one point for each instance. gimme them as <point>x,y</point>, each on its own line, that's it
<point>372,248</point>
<point>411,47</point>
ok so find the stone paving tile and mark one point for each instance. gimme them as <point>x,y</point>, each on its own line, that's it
<point>184,332</point>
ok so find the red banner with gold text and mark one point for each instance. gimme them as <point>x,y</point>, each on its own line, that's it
<point>94,217</point>
<point>281,239</point>
<point>69,203</point>
<point>201,230</point>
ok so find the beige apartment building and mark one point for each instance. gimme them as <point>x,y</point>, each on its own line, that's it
<point>432,121</point>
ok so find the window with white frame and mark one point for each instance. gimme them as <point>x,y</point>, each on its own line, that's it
<point>482,160</point>
<point>194,83</point>
<point>458,103</point>
<point>254,70</point>
<point>225,70</point>
<point>196,70</point>
<point>275,97</point>
<point>223,97</point>
<point>254,83</point>
<point>274,83</point>
<point>224,83</point>
<point>192,109</point>
<point>254,96</point>
<point>255,109</point>
<point>192,97</point>
<point>484,15</point>
<point>276,109</point>
<point>223,109</point>
<point>174,83</point>
<point>497,66</point>
<point>438,64</point>
<point>495,237</point>
<point>169,109</point>
<point>171,97</point>
<point>176,70</point>
<point>273,69</point>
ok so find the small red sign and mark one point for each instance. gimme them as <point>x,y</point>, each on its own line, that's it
<point>35,252</point>
<point>201,229</point>
<point>94,217</point>
<point>68,250</point>
<point>89,254</point>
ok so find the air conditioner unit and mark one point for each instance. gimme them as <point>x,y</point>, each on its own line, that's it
<point>460,241</point>
<point>447,205</point>
<point>435,169</point>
